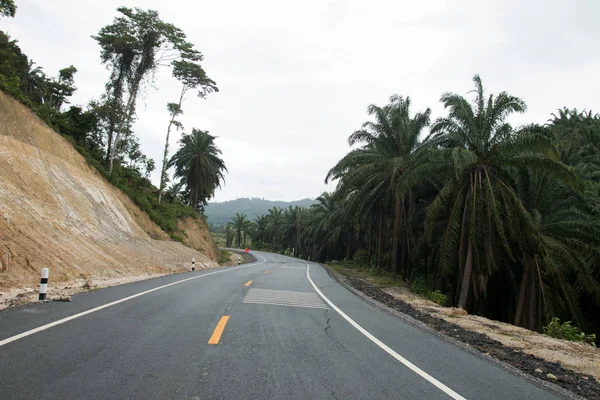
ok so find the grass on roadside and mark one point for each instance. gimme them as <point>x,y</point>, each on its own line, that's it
<point>384,279</point>
<point>225,256</point>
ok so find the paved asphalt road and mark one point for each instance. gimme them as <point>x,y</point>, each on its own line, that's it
<point>281,341</point>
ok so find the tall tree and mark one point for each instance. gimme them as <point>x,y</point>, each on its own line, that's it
<point>261,225</point>
<point>476,152</point>
<point>192,77</point>
<point>63,87</point>
<point>240,226</point>
<point>198,163</point>
<point>276,226</point>
<point>294,216</point>
<point>7,8</point>
<point>135,45</point>
<point>35,83</point>
<point>390,146</point>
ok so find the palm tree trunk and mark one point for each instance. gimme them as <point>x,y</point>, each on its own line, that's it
<point>379,240</point>
<point>522,290</point>
<point>466,280</point>
<point>348,245</point>
<point>369,240</point>
<point>297,239</point>
<point>395,239</point>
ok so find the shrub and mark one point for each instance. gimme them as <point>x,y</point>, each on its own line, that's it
<point>568,332</point>
<point>421,287</point>
<point>360,257</point>
<point>178,237</point>
<point>438,297</point>
<point>225,255</point>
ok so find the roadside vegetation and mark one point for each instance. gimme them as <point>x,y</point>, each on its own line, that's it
<point>133,48</point>
<point>470,211</point>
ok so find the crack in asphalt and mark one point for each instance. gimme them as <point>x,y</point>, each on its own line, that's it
<point>327,326</point>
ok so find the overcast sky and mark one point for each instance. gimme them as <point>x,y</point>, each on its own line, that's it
<point>295,78</point>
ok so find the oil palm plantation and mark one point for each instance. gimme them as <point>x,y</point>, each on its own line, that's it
<point>325,227</point>
<point>240,226</point>
<point>35,85</point>
<point>390,146</point>
<point>294,221</point>
<point>199,164</point>
<point>261,226</point>
<point>557,246</point>
<point>275,227</point>
<point>478,157</point>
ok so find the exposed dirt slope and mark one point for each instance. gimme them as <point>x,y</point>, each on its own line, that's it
<point>57,212</point>
<point>198,237</point>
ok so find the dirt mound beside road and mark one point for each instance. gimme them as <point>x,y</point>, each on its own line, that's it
<point>58,212</point>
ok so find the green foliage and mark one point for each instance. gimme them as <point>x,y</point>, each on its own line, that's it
<point>421,286</point>
<point>438,297</point>
<point>225,255</point>
<point>360,257</point>
<point>199,164</point>
<point>239,227</point>
<point>495,214</point>
<point>7,8</point>
<point>567,332</point>
<point>178,236</point>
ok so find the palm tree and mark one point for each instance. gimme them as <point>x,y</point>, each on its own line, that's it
<point>260,230</point>
<point>175,191</point>
<point>293,217</point>
<point>35,83</point>
<point>390,146</point>
<point>476,154</point>
<point>199,165</point>
<point>557,246</point>
<point>240,225</point>
<point>325,227</point>
<point>229,234</point>
<point>276,225</point>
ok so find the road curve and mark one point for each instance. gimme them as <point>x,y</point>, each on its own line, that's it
<point>277,328</point>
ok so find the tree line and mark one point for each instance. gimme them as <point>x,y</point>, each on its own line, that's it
<point>133,48</point>
<point>503,220</point>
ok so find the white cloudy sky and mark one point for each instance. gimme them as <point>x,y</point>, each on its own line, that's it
<point>295,78</point>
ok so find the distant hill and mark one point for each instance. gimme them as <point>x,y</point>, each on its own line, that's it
<point>219,214</point>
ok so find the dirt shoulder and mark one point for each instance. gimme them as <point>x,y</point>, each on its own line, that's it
<point>573,366</point>
<point>235,258</point>
<point>61,290</point>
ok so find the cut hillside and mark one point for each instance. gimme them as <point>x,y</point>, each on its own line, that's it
<point>60,213</point>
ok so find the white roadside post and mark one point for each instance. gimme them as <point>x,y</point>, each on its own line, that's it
<point>43,284</point>
<point>193,264</point>
<point>239,260</point>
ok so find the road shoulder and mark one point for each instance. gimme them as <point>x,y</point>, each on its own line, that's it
<point>569,384</point>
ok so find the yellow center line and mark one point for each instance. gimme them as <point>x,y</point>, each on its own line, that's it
<point>265,271</point>
<point>216,336</point>
<point>248,283</point>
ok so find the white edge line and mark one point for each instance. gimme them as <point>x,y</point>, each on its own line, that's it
<point>384,347</point>
<point>81,314</point>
